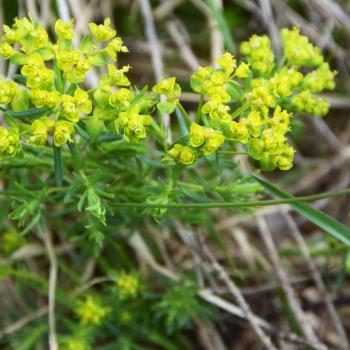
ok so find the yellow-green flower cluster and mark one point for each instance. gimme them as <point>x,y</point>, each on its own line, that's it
<point>29,36</point>
<point>320,79</point>
<point>102,32</point>
<point>121,97</point>
<point>91,312</point>
<point>248,102</point>
<point>128,286</point>
<point>63,133</point>
<point>268,142</point>
<point>285,81</point>
<point>64,30</point>
<point>74,65</point>
<point>259,52</point>
<point>115,77</point>
<point>182,154</point>
<point>209,138</point>
<point>306,102</point>
<point>53,86</point>
<point>214,85</point>
<point>133,123</point>
<point>39,130</point>
<point>36,73</point>
<point>43,98</point>
<point>9,141</point>
<point>257,113</point>
<point>72,106</point>
<point>75,343</point>
<point>8,91</point>
<point>298,50</point>
<point>169,88</point>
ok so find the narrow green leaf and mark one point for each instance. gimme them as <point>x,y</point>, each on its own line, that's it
<point>30,112</point>
<point>317,217</point>
<point>20,78</point>
<point>222,24</point>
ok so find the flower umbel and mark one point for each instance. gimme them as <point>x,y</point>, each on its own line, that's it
<point>250,101</point>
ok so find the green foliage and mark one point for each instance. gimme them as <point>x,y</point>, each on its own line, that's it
<point>99,166</point>
<point>178,305</point>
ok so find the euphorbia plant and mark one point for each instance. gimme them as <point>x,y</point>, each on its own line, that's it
<point>99,137</point>
<point>93,161</point>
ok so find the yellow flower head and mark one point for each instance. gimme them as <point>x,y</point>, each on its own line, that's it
<point>116,76</point>
<point>213,140</point>
<point>67,59</point>
<point>320,79</point>
<point>202,73</point>
<point>120,97</point>
<point>254,123</point>
<point>39,132</point>
<point>216,109</point>
<point>9,141</point>
<point>41,98</point>
<point>242,70</point>
<point>6,50</point>
<point>114,47</point>
<point>75,343</point>
<point>64,30</point>
<point>82,101</point>
<point>197,135</point>
<point>69,108</point>
<point>280,120</point>
<point>76,73</point>
<point>227,62</point>
<point>7,91</point>
<point>102,32</point>
<point>259,50</point>
<point>10,36</point>
<point>169,88</point>
<point>239,131</point>
<point>128,286</point>
<point>133,123</point>
<point>298,50</point>
<point>91,312</point>
<point>182,154</point>
<point>63,133</point>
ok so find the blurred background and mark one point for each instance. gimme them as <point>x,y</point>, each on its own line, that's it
<point>291,274</point>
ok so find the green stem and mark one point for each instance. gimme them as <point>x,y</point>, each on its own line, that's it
<point>240,110</point>
<point>237,204</point>
<point>190,185</point>
<point>234,153</point>
<point>58,165</point>
<point>76,155</point>
<point>184,113</point>
<point>60,80</point>
<point>199,109</point>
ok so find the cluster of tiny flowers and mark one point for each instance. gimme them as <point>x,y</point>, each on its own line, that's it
<point>51,74</point>
<point>249,102</point>
<point>91,312</point>
<point>9,141</point>
<point>75,344</point>
<point>252,103</point>
<point>128,286</point>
